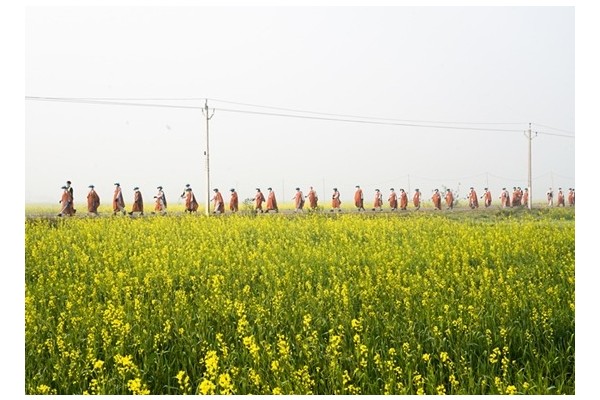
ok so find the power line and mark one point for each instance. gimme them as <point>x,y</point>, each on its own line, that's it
<point>556,129</point>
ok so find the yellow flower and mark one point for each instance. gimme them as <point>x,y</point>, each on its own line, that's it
<point>207,387</point>
<point>426,357</point>
<point>225,384</point>
<point>511,389</point>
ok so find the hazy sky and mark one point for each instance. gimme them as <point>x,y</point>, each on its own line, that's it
<point>489,68</point>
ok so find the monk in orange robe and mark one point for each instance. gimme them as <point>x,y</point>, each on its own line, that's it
<point>93,201</point>
<point>504,198</point>
<point>312,199</point>
<point>233,201</point>
<point>118,202</point>
<point>487,198</point>
<point>473,201</point>
<point>138,202</point>
<point>258,200</point>
<point>526,197</point>
<point>191,205</point>
<point>449,199</point>
<point>437,200</point>
<point>403,199</point>
<point>335,200</point>
<point>560,198</point>
<point>271,201</point>
<point>378,201</point>
<point>298,200</point>
<point>359,199</point>
<point>160,203</point>
<point>393,199</point>
<point>218,205</point>
<point>571,197</point>
<point>66,202</point>
<point>417,199</point>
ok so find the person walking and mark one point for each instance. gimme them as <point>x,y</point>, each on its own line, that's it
<point>184,193</point>
<point>403,199</point>
<point>118,202</point>
<point>298,200</point>
<point>160,205</point>
<point>66,203</point>
<point>138,202</point>
<point>473,201</point>
<point>233,201</point>
<point>560,198</point>
<point>436,198</point>
<point>191,205</point>
<point>449,199</point>
<point>504,198</point>
<point>487,197</point>
<point>218,204</point>
<point>312,199</point>
<point>378,201</point>
<point>72,205</point>
<point>571,197</point>
<point>550,197</point>
<point>93,201</point>
<point>359,199</point>
<point>258,200</point>
<point>526,197</point>
<point>417,199</point>
<point>335,200</point>
<point>393,199</point>
<point>271,201</point>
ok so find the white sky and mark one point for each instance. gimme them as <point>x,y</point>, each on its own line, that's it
<point>499,67</point>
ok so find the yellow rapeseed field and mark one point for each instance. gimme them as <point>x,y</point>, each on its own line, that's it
<point>301,304</point>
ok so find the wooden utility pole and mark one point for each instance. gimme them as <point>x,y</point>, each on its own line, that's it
<point>206,154</point>
<point>530,197</point>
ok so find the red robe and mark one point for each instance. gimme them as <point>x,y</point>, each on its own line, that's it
<point>525,198</point>
<point>271,201</point>
<point>571,198</point>
<point>312,199</point>
<point>393,200</point>
<point>258,200</point>
<point>218,205</point>
<point>403,200</point>
<point>473,202</point>
<point>487,198</point>
<point>358,198</point>
<point>561,198</point>
<point>93,201</point>
<point>118,202</point>
<point>66,203</point>
<point>378,200</point>
<point>190,202</point>
<point>335,200</point>
<point>417,199</point>
<point>437,200</point>
<point>449,199</point>
<point>505,199</point>
<point>138,202</point>
<point>233,202</point>
<point>160,205</point>
<point>299,200</point>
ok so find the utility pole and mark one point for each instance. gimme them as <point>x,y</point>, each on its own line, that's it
<point>208,117</point>
<point>530,197</point>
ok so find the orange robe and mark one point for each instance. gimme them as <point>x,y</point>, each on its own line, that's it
<point>417,199</point>
<point>299,200</point>
<point>233,202</point>
<point>138,202</point>
<point>571,198</point>
<point>359,199</point>
<point>335,200</point>
<point>487,198</point>
<point>449,199</point>
<point>271,202</point>
<point>93,201</point>
<point>525,198</point>
<point>258,200</point>
<point>191,204</point>
<point>561,199</point>
<point>161,202</point>
<point>118,202</point>
<point>473,202</point>
<point>312,199</point>
<point>218,205</point>
<point>403,200</point>
<point>504,199</point>
<point>378,201</point>
<point>393,200</point>
<point>437,200</point>
<point>66,203</point>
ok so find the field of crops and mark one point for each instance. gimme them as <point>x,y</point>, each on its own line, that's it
<point>307,304</point>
